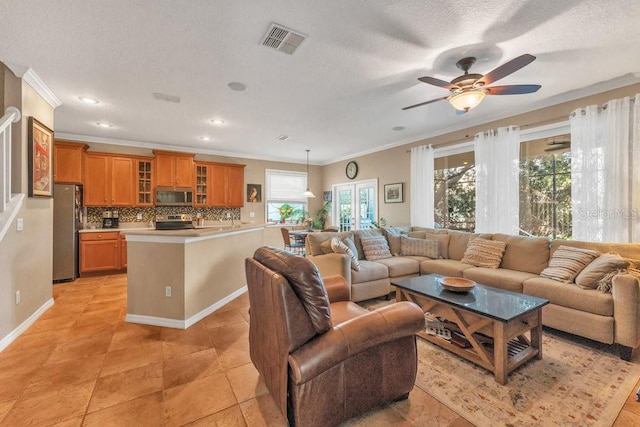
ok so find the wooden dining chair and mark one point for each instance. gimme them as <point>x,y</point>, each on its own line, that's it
<point>292,245</point>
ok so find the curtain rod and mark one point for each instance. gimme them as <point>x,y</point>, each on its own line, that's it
<point>601,107</point>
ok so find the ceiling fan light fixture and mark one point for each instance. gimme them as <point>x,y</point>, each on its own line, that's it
<point>465,101</point>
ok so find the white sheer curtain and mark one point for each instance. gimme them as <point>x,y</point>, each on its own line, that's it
<point>604,178</point>
<point>422,186</point>
<point>497,157</point>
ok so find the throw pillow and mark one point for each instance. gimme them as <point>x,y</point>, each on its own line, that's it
<point>484,253</point>
<point>326,247</point>
<point>375,248</point>
<point>339,247</point>
<point>442,238</point>
<point>567,262</point>
<point>598,274</point>
<point>419,247</point>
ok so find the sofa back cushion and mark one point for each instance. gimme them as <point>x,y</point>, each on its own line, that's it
<point>529,254</point>
<point>359,234</point>
<point>441,238</point>
<point>393,235</point>
<point>459,240</point>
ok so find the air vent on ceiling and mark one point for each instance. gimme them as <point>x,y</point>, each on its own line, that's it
<point>165,97</point>
<point>282,39</point>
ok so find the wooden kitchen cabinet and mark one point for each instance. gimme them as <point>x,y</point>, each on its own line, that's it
<point>99,252</point>
<point>144,182</point>
<point>67,162</point>
<point>173,169</point>
<point>227,185</point>
<point>108,180</point>
<point>201,187</point>
<point>102,251</point>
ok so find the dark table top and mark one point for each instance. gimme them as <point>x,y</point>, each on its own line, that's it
<point>485,300</point>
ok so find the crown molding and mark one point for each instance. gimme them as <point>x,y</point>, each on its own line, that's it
<point>41,88</point>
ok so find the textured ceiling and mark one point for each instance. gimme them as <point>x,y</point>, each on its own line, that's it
<point>339,94</point>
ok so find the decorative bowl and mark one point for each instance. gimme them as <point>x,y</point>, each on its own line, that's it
<point>457,284</point>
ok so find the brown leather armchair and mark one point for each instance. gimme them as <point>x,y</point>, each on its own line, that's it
<point>324,358</point>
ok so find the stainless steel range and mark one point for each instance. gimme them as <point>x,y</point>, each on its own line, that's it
<point>174,222</point>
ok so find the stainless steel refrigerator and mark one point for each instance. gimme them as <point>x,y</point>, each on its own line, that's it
<point>67,220</point>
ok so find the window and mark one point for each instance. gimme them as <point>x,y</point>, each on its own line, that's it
<point>284,193</point>
<point>545,188</point>
<point>455,191</point>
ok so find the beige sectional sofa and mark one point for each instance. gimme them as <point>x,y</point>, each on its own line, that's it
<point>605,317</point>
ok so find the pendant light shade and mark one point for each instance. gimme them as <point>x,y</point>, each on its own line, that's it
<point>308,193</point>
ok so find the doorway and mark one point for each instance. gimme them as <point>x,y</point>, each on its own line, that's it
<point>356,205</point>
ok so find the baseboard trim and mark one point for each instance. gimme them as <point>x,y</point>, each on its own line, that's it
<point>184,324</point>
<point>13,335</point>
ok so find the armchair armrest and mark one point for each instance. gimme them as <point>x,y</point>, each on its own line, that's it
<point>625,289</point>
<point>337,288</point>
<point>333,265</point>
<point>347,339</point>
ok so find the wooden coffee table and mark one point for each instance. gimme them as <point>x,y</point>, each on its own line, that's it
<point>491,323</point>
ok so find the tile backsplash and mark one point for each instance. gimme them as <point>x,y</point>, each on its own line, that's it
<point>94,215</point>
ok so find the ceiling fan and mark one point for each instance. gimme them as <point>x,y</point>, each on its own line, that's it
<point>468,90</point>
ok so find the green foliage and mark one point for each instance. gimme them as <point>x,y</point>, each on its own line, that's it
<point>320,220</point>
<point>286,211</point>
<point>379,224</point>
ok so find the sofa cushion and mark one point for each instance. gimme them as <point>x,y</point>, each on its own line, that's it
<point>442,238</point>
<point>401,266</point>
<point>314,240</point>
<point>510,280</point>
<point>567,262</point>
<point>369,271</point>
<point>393,235</point>
<point>484,253</point>
<point>419,247</point>
<point>446,267</point>
<point>458,241</point>
<point>570,295</point>
<point>530,254</point>
<point>598,274</point>
<point>359,234</point>
<point>340,247</point>
<point>375,248</point>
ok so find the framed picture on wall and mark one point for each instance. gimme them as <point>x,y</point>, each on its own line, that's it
<point>326,196</point>
<point>393,193</point>
<point>254,193</point>
<point>40,159</point>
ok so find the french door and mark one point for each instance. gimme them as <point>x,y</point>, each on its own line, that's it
<point>356,204</point>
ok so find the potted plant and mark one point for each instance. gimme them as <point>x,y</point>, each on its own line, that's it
<point>320,219</point>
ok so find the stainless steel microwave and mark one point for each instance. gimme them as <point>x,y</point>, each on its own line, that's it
<point>168,196</point>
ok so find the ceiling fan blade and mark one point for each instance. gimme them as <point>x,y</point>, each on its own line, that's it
<point>438,82</point>
<point>425,103</point>
<point>507,68</point>
<point>512,89</point>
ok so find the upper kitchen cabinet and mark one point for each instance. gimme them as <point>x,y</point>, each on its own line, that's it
<point>227,185</point>
<point>67,162</point>
<point>144,182</point>
<point>173,169</point>
<point>108,180</point>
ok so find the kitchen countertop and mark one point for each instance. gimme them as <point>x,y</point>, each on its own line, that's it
<point>189,235</point>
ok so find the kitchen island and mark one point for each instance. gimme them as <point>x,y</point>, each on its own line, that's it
<point>177,277</point>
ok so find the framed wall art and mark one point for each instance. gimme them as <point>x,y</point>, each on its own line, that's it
<point>254,193</point>
<point>393,193</point>
<point>40,159</point>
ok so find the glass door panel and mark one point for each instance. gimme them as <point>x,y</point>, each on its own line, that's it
<point>356,204</point>
<point>345,207</point>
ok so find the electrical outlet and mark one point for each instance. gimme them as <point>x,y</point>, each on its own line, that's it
<point>167,291</point>
<point>252,214</point>
<point>17,297</point>
<point>20,224</point>
<point>228,214</point>
<point>139,217</point>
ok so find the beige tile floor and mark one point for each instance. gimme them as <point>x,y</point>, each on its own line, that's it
<point>82,364</point>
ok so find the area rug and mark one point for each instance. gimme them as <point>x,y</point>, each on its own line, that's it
<point>576,383</point>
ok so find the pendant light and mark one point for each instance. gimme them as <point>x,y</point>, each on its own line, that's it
<point>308,193</point>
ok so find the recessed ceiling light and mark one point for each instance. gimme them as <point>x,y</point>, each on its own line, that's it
<point>104,125</point>
<point>237,86</point>
<point>206,138</point>
<point>218,122</point>
<point>398,128</point>
<point>88,100</point>
<point>283,138</point>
